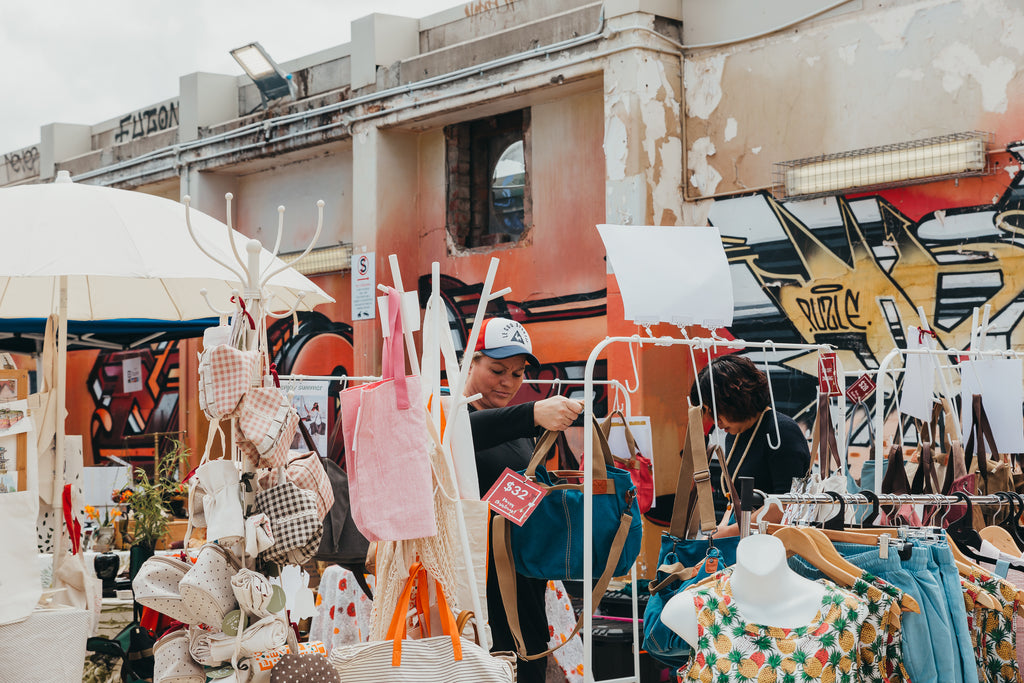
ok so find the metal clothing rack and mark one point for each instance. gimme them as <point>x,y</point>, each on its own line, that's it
<point>760,498</point>
<point>883,372</point>
<point>620,388</point>
<point>707,344</point>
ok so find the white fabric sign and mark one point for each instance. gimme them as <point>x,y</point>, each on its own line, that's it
<point>1000,381</point>
<point>919,377</point>
<point>672,274</point>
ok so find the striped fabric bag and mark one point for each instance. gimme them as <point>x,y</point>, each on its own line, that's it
<point>447,657</point>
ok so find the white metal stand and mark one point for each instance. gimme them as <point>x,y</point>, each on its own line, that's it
<point>588,477</point>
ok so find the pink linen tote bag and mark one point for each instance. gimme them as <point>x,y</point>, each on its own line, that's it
<point>387,448</point>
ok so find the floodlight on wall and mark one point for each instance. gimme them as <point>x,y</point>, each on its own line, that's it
<point>271,81</point>
<point>948,156</point>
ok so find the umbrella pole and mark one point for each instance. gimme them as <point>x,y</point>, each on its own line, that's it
<point>62,381</point>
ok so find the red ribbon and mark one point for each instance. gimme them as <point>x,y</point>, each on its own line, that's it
<point>74,526</point>
<point>921,333</point>
<point>241,302</point>
<point>273,373</point>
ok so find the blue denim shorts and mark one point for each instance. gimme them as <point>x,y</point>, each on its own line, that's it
<point>950,582</point>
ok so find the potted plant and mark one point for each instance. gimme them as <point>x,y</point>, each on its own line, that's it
<point>150,500</point>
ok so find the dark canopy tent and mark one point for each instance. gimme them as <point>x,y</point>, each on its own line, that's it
<point>25,335</point>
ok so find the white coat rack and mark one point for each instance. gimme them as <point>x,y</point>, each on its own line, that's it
<point>251,279</point>
<point>707,344</point>
<point>456,392</point>
<point>979,329</point>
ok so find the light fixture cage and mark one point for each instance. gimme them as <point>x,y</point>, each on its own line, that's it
<point>955,155</point>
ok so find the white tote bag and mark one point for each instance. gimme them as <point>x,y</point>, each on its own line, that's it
<point>20,586</point>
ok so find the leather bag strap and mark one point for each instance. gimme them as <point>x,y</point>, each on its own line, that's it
<point>694,483</point>
<point>505,568</point>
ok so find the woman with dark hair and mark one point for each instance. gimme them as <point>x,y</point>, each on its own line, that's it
<point>744,412</point>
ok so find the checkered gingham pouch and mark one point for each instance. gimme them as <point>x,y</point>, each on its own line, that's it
<point>294,522</point>
<point>266,426</point>
<point>225,373</point>
<point>307,472</point>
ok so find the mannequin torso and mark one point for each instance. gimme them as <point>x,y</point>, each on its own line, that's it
<point>764,589</point>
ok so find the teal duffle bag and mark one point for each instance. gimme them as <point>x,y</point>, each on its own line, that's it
<point>549,544</point>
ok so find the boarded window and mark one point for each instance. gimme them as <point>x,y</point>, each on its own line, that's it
<point>488,187</point>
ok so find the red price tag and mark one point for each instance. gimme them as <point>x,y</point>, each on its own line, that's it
<point>860,389</point>
<point>828,374</point>
<point>514,497</point>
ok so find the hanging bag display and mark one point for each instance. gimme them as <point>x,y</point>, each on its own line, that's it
<point>294,522</point>
<point>307,471</point>
<point>225,374</point>
<point>388,447</point>
<point>549,544</point>
<point>156,586</point>
<point>641,469</point>
<point>994,471</point>
<point>172,661</point>
<point>266,426</point>
<point>206,590</point>
<point>447,657</point>
<point>682,557</point>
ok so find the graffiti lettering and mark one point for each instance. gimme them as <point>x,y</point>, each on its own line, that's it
<point>146,122</point>
<point>828,310</point>
<point>478,6</point>
<point>24,162</point>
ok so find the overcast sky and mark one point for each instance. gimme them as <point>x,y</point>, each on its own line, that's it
<point>82,61</point>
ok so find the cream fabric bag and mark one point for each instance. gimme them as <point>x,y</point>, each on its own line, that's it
<point>19,512</point>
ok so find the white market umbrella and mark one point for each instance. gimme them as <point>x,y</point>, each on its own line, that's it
<point>88,252</point>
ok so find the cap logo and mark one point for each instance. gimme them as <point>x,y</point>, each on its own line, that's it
<point>515,334</point>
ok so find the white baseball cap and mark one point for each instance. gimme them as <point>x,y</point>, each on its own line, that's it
<point>504,338</point>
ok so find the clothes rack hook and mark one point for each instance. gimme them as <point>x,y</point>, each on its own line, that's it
<point>771,395</point>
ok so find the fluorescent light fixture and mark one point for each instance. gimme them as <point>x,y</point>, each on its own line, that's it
<point>948,156</point>
<point>271,81</point>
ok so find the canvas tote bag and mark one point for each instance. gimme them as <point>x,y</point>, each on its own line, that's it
<point>385,429</point>
<point>19,511</point>
<point>447,657</point>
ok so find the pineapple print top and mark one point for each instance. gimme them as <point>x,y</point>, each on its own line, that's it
<point>731,650</point>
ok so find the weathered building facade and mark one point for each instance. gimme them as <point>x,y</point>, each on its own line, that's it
<point>510,128</point>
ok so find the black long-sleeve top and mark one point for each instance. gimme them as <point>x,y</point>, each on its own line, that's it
<point>502,437</point>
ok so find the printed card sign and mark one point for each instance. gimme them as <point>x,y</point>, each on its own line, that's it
<point>514,497</point>
<point>828,374</point>
<point>860,389</point>
<point>131,373</point>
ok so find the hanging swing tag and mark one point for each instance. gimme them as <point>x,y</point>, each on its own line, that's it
<point>514,497</point>
<point>828,374</point>
<point>860,389</point>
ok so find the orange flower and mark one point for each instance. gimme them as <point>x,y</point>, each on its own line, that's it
<point>91,512</point>
<point>115,513</point>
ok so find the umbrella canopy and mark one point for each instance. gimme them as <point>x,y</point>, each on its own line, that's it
<point>98,237</point>
<point>88,252</point>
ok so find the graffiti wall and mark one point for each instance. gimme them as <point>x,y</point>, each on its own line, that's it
<point>853,271</point>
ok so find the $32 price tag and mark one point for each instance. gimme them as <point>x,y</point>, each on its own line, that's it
<point>514,497</point>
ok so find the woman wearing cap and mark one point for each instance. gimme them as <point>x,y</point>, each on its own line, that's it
<point>504,437</point>
<point>747,417</point>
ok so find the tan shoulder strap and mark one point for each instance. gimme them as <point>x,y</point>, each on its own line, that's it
<point>505,568</point>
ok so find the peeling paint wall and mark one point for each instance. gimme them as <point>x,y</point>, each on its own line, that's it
<point>642,139</point>
<point>889,72</point>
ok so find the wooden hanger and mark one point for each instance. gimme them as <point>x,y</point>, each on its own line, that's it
<point>829,552</point>
<point>967,567</point>
<point>798,542</point>
<point>1000,538</point>
<point>823,539</point>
